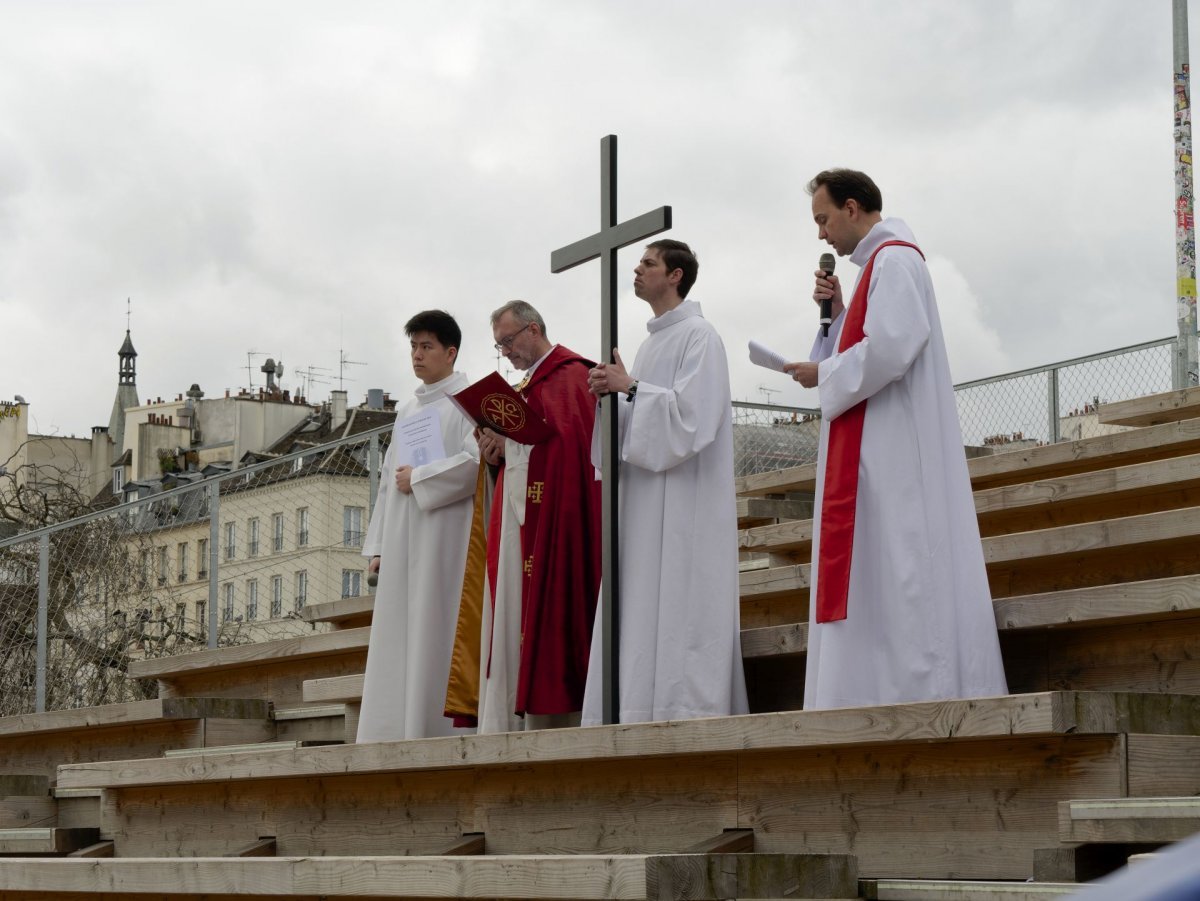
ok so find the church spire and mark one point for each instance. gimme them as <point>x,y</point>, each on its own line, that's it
<point>127,374</point>
<point>127,395</point>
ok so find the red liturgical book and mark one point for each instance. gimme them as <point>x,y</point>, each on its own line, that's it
<point>491,403</point>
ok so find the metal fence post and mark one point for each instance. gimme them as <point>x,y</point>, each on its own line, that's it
<point>43,620</point>
<point>373,470</point>
<point>214,557</point>
<point>1052,404</point>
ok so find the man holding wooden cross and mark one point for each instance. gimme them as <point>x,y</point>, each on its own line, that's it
<point>680,643</point>
<point>899,608</point>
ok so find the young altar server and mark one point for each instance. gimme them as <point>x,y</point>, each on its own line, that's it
<point>417,542</point>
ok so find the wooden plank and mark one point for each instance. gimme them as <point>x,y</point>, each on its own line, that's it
<point>1164,765</point>
<point>775,641</point>
<point>1048,713</point>
<point>18,812</point>
<point>1128,531</point>
<point>264,847</point>
<point>344,613</point>
<point>731,841</point>
<point>583,877</point>
<point>99,849</point>
<point>1102,494</point>
<point>778,581</point>
<point>468,845</point>
<point>1126,602</point>
<point>1068,457</point>
<point>972,810</point>
<point>132,713</point>
<point>794,536</point>
<point>27,784</point>
<point>297,648</point>
<point>1083,863</point>
<point>280,681</point>
<point>50,840</point>
<point>753,511</point>
<point>965,890</point>
<point>334,689</point>
<point>752,876</point>
<point>1129,820</point>
<point>1014,467</point>
<point>1154,409</point>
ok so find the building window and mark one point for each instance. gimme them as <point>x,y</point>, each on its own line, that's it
<point>147,565</point>
<point>351,583</point>
<point>181,560</point>
<point>164,569</point>
<point>301,590</point>
<point>277,532</point>
<point>251,599</point>
<point>276,597</point>
<point>118,479</point>
<point>302,527</point>
<point>252,537</point>
<point>227,610</point>
<point>230,540</point>
<point>352,521</point>
<point>201,558</point>
<point>297,464</point>
<point>180,617</point>
<point>206,499</point>
<point>201,617</point>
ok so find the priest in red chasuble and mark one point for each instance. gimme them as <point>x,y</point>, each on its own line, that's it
<point>543,540</point>
<point>899,607</point>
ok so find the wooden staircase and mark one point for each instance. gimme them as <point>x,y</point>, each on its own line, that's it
<point>1093,553</point>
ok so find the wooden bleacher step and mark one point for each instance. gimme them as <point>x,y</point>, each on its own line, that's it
<point>325,724</point>
<point>339,689</point>
<point>1129,820</point>
<point>272,670</point>
<point>963,890</point>
<point>562,876</point>
<point>344,613</point>
<point>1065,458</point>
<point>266,747</point>
<point>1154,409</point>
<point>24,811</point>
<point>45,840</point>
<point>77,808</point>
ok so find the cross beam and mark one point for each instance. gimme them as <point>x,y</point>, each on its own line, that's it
<point>604,245</point>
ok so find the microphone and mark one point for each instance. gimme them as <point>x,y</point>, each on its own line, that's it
<point>826,265</point>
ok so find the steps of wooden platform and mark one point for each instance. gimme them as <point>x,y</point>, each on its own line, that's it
<point>22,811</point>
<point>1142,820</point>
<point>336,689</point>
<point>1154,409</point>
<point>39,742</point>
<point>617,876</point>
<point>964,890</point>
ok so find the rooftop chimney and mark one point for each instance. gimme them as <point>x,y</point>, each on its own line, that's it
<point>337,406</point>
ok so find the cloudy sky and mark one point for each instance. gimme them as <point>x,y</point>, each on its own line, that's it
<point>298,178</point>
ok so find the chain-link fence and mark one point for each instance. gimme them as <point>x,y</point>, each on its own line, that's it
<point>768,437</point>
<point>191,560</point>
<point>1056,402</point>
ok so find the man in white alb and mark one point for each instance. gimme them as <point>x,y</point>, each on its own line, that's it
<point>417,542</point>
<point>900,608</point>
<point>680,643</point>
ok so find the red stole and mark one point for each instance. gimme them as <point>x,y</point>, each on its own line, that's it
<point>839,500</point>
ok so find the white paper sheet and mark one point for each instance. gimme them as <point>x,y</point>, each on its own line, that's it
<point>761,355</point>
<point>419,439</point>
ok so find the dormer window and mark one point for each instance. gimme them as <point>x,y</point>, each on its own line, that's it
<point>118,479</point>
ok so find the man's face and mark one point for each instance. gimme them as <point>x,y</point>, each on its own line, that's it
<point>836,225</point>
<point>517,342</point>
<point>431,361</point>
<point>651,280</point>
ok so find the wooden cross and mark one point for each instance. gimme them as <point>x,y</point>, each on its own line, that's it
<point>605,244</point>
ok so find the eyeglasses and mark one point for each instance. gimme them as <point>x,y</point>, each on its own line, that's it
<point>507,343</point>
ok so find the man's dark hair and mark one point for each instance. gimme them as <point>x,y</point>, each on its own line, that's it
<point>848,184</point>
<point>677,255</point>
<point>440,323</point>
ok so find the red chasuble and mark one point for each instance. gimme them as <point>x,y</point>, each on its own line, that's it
<point>560,541</point>
<point>839,500</point>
